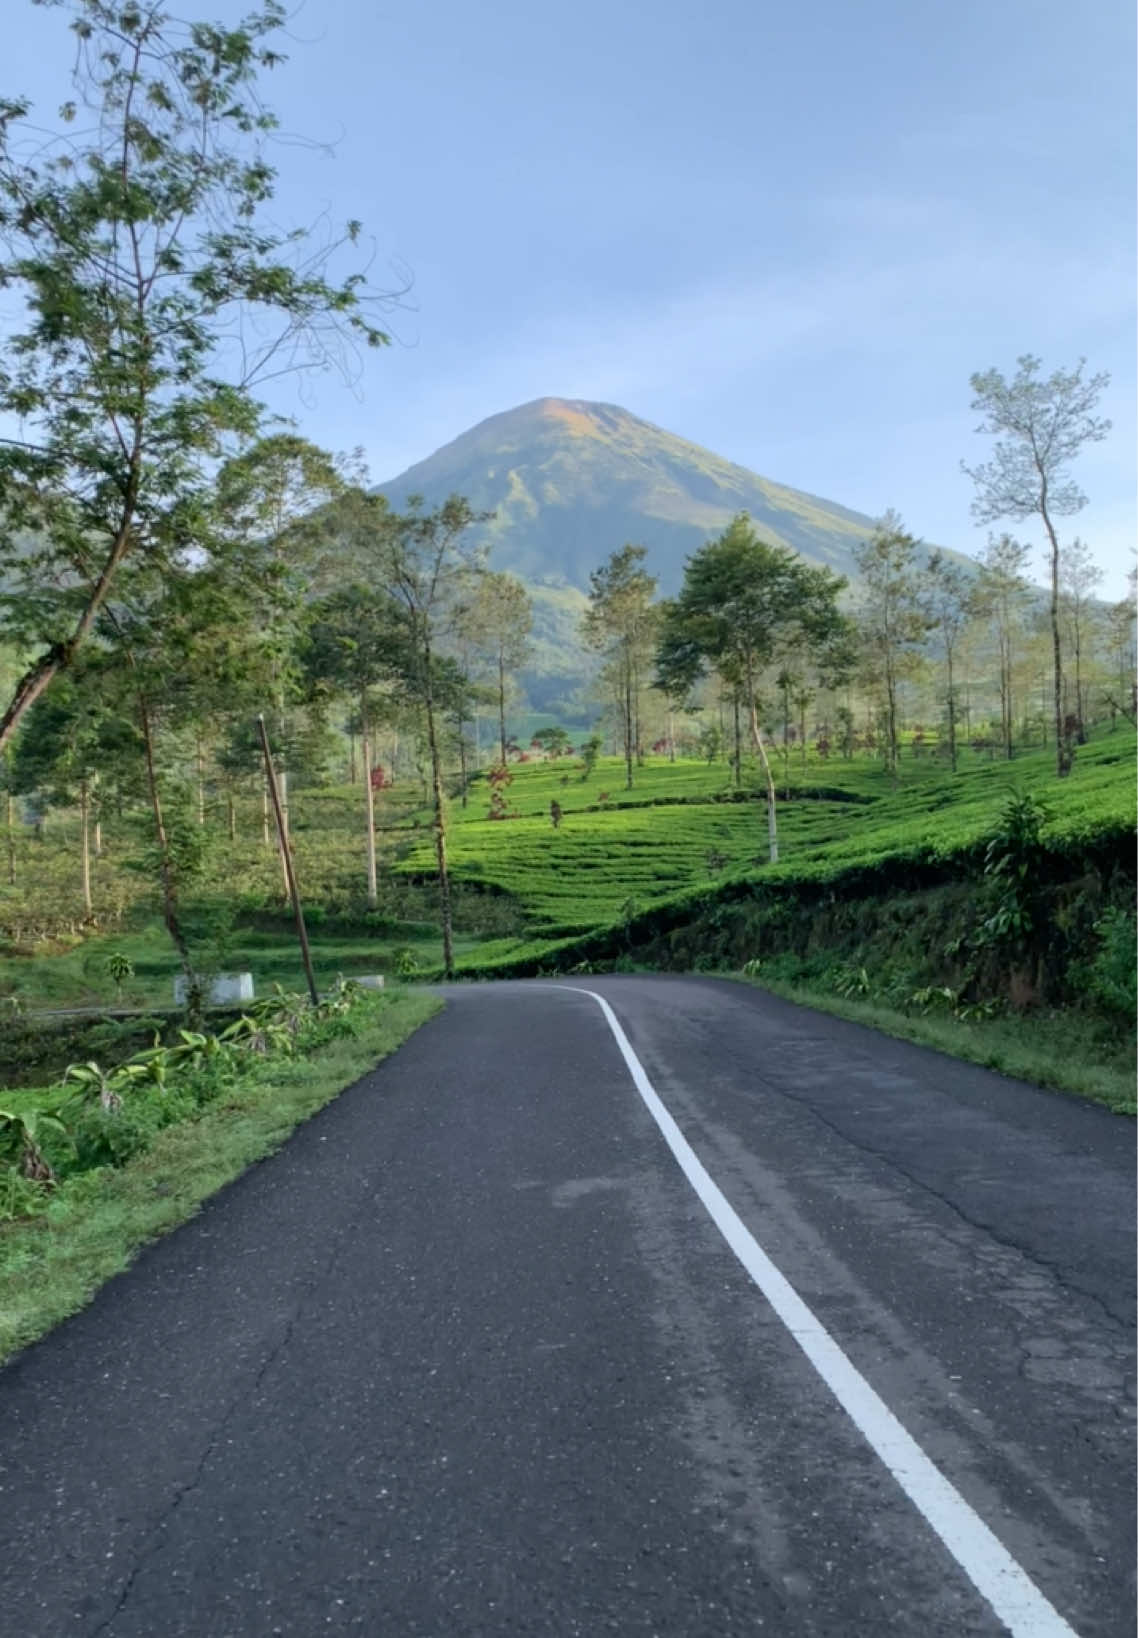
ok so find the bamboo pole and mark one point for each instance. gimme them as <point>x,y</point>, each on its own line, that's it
<point>286,861</point>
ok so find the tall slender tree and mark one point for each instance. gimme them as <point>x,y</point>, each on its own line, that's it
<point>891,615</point>
<point>947,590</point>
<point>426,566</point>
<point>1079,574</point>
<point>1041,427</point>
<point>1000,596</point>
<point>497,619</point>
<point>353,643</point>
<point>620,624</point>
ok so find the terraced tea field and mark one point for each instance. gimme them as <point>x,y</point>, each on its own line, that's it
<point>679,827</point>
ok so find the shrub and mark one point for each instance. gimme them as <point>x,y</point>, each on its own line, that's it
<point>1111,977</point>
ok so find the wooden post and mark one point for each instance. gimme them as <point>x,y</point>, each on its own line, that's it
<point>286,861</point>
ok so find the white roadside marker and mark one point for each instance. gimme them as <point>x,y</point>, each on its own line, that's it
<point>992,1570</point>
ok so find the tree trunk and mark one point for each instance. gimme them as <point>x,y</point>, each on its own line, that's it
<point>282,792</point>
<point>891,720</point>
<point>440,826</point>
<point>1064,753</point>
<point>201,781</point>
<point>628,733</point>
<point>85,843</point>
<point>1080,709</point>
<point>462,761</point>
<point>369,804</point>
<point>265,842</point>
<point>738,741</point>
<point>502,704</point>
<point>98,838</point>
<point>951,709</point>
<point>166,867</point>
<point>772,821</point>
<point>231,809</point>
<point>671,735</point>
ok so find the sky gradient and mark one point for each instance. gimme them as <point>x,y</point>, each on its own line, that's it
<point>789,234</point>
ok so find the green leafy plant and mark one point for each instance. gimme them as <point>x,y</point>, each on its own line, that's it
<point>933,998</point>
<point>405,962</point>
<point>1012,860</point>
<point>21,1132</point>
<point>118,968</point>
<point>92,1082</point>
<point>852,981</point>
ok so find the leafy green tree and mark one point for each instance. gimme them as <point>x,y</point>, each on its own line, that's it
<point>1120,625</point>
<point>742,605</point>
<point>590,751</point>
<point>426,567</point>
<point>353,643</point>
<point>620,623</point>
<point>156,296</point>
<point>498,619</point>
<point>1000,596</point>
<point>1078,577</point>
<point>1040,426</point>
<point>891,615</point>
<point>275,521</point>
<point>553,741</point>
<point>710,741</point>
<point>948,594</point>
<point>58,757</point>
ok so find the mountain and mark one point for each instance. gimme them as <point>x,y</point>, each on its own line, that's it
<point>570,481</point>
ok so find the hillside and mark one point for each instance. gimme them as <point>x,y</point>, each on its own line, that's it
<point>570,481</point>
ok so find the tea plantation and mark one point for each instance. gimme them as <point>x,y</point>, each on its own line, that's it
<point>683,831</point>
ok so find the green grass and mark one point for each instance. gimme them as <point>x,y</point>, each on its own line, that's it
<point>1064,1051</point>
<point>77,977</point>
<point>51,1266</point>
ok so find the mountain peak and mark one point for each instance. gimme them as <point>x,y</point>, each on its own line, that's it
<point>570,480</point>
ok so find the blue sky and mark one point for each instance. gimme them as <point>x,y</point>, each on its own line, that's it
<point>790,234</point>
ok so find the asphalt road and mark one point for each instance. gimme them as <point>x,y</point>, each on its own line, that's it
<point>470,1356</point>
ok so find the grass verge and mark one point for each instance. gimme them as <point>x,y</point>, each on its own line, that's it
<point>1062,1051</point>
<point>52,1265</point>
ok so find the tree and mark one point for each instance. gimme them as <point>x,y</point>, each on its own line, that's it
<point>1078,577</point>
<point>948,592</point>
<point>157,295</point>
<point>1040,425</point>
<point>619,624</point>
<point>743,603</point>
<point>1120,624</point>
<point>69,734</point>
<point>554,742</point>
<point>1000,595</point>
<point>891,615</point>
<point>353,644</point>
<point>426,567</point>
<point>274,511</point>
<point>498,620</point>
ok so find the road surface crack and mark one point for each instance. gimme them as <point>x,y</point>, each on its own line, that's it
<point>1058,1274</point>
<point>156,1535</point>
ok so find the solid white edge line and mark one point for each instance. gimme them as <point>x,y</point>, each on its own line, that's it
<point>987,1563</point>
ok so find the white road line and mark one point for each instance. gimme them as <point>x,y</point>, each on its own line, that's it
<point>992,1570</point>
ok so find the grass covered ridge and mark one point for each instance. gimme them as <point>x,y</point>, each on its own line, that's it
<point>51,1265</point>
